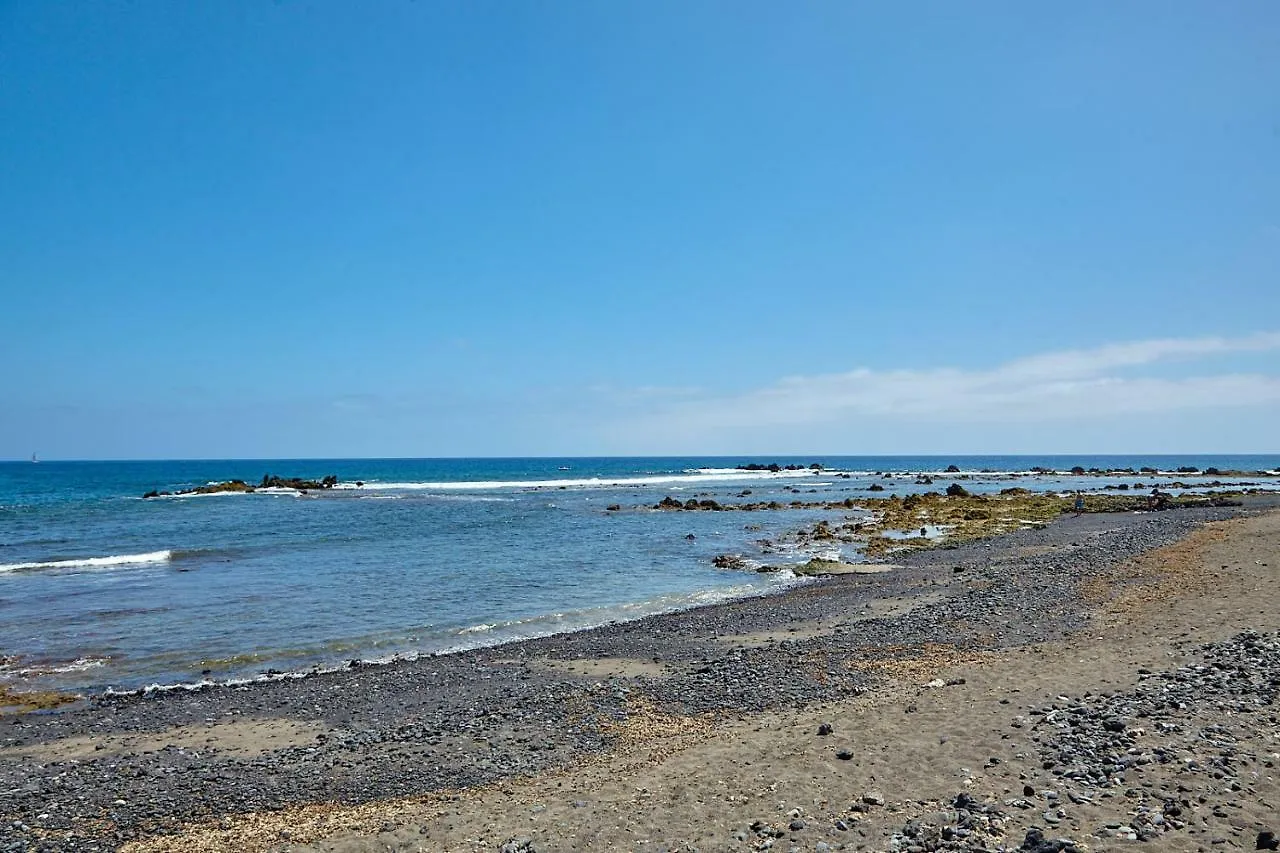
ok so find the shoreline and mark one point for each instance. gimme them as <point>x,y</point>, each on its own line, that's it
<point>885,532</point>
<point>400,658</point>
<point>479,717</point>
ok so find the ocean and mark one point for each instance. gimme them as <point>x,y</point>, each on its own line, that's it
<point>103,590</point>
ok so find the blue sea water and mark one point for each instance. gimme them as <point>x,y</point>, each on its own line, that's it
<point>100,588</point>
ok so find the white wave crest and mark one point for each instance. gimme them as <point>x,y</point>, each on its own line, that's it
<point>700,476</point>
<point>90,562</point>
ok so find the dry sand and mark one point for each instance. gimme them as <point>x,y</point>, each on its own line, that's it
<point>940,724</point>
<point>242,738</point>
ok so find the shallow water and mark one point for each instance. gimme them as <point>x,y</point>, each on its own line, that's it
<point>100,588</point>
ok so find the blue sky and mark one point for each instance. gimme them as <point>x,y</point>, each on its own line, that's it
<point>425,229</point>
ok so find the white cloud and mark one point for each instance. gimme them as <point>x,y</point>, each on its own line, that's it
<point>1077,385</point>
<point>1075,363</point>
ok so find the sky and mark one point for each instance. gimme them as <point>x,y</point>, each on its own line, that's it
<point>292,229</point>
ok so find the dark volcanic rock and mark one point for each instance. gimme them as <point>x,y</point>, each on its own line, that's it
<point>269,481</point>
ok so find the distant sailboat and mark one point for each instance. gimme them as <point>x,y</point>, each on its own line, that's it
<point>34,460</point>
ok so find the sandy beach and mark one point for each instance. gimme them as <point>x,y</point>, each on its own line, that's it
<point>1103,682</point>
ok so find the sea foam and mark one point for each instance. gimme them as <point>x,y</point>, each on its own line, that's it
<point>90,562</point>
<point>695,476</point>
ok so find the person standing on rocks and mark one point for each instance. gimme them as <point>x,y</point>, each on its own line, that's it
<point>1079,503</point>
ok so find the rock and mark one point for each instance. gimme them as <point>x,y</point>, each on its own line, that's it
<point>1267,841</point>
<point>873,798</point>
<point>796,825</point>
<point>825,729</point>
<point>875,487</point>
<point>953,469</point>
<point>269,481</point>
<point>956,490</point>
<point>729,561</point>
<point>844,754</point>
<point>818,566</point>
<point>613,508</point>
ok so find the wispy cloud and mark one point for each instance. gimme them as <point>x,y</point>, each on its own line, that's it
<point>1103,382</point>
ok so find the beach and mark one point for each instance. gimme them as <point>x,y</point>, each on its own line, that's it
<point>1047,678</point>
<point>701,428</point>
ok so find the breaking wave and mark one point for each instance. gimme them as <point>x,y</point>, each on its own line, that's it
<point>90,562</point>
<point>693,476</point>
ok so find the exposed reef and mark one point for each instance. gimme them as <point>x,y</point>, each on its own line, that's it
<point>21,701</point>
<point>894,524</point>
<point>269,481</point>
<point>775,467</point>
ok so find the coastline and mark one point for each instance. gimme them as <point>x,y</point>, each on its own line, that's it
<point>879,529</point>
<point>213,576</point>
<point>129,768</point>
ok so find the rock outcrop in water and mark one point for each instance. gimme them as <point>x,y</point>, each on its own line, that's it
<point>774,467</point>
<point>269,481</point>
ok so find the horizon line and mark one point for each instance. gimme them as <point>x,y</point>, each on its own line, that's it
<point>779,455</point>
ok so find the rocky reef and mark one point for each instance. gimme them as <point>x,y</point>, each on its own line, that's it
<point>775,467</point>
<point>20,701</point>
<point>269,481</point>
<point>893,525</point>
